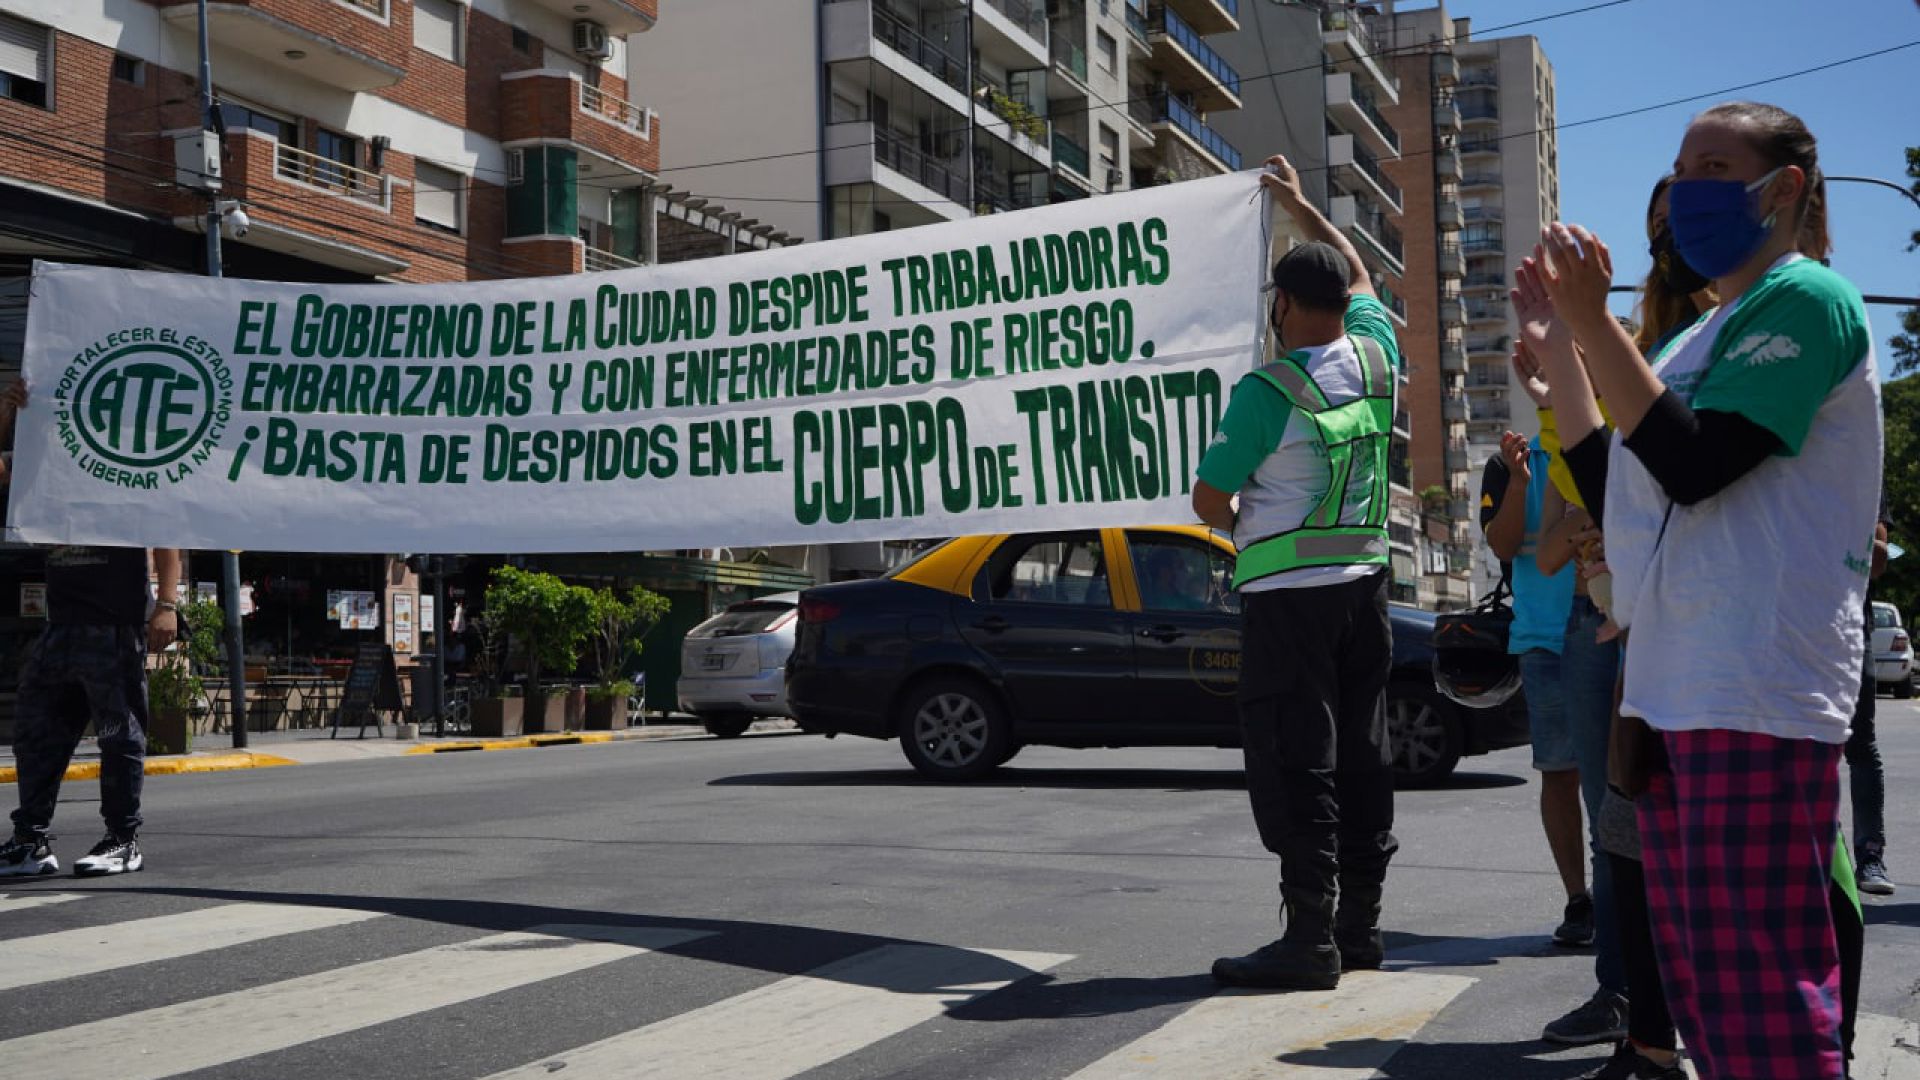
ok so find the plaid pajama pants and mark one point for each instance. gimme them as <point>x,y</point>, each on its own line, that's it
<point>1738,844</point>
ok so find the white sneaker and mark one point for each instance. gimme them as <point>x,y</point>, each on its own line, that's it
<point>27,856</point>
<point>112,855</point>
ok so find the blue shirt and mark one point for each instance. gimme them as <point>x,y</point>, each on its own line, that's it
<point>1541,603</point>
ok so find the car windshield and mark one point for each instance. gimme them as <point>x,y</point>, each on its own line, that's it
<point>754,617</point>
<point>1885,615</point>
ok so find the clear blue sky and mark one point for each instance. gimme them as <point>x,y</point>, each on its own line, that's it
<point>1647,51</point>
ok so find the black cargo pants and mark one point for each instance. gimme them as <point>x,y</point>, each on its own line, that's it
<point>1313,677</point>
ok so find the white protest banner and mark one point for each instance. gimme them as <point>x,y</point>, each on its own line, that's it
<point>1061,367</point>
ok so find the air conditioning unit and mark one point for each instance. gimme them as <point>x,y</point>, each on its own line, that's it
<point>1115,180</point>
<point>590,40</point>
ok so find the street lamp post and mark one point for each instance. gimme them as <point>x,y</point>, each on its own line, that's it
<point>229,560</point>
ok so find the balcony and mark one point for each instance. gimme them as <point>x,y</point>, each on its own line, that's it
<point>1070,62</point>
<point>1454,407</point>
<point>542,106</point>
<point>860,153</point>
<point>1446,116</point>
<point>1071,159</point>
<point>618,16</point>
<point>1452,311</point>
<point>1138,36</point>
<point>347,181</point>
<point>1353,107</point>
<point>1169,113</point>
<point>356,48</point>
<point>1453,356</point>
<point>1000,193</point>
<point>1453,263</point>
<point>1187,63</point>
<point>1484,245</point>
<point>1360,171</point>
<point>1013,120</point>
<point>1480,109</point>
<point>1350,43</point>
<point>1479,147</point>
<point>597,260</point>
<point>1459,458</point>
<point>356,203</point>
<point>1487,281</point>
<point>1447,215</point>
<point>1481,181</point>
<point>1446,68</point>
<point>1446,162</point>
<point>1485,215</point>
<point>848,34</point>
<point>1370,228</point>
<point>1012,32</point>
<point>1488,347</point>
<point>1209,16</point>
<point>1483,314</point>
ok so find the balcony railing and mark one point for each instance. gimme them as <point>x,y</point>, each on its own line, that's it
<point>1349,22</point>
<point>1170,109</point>
<point>1000,194</point>
<point>1369,218</point>
<point>897,153</point>
<point>307,167</point>
<point>1019,116</point>
<point>616,109</point>
<point>1137,26</point>
<point>1481,180</point>
<point>1367,164</point>
<point>1196,46</point>
<point>598,259</point>
<point>1071,57</point>
<point>1491,346</point>
<point>1485,214</point>
<point>1069,154</point>
<point>1486,245</point>
<point>1479,146</point>
<point>892,31</point>
<point>1485,281</point>
<point>1364,102</point>
<point>1486,313</point>
<point>1480,110</point>
<point>1028,16</point>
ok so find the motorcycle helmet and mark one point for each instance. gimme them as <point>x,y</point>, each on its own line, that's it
<point>1471,664</point>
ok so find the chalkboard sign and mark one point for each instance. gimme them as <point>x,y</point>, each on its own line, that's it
<point>373,685</point>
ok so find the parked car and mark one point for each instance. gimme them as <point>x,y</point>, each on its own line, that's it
<point>733,666</point>
<point>1892,652</point>
<point>1111,637</point>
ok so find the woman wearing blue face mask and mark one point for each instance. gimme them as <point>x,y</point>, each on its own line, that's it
<point>1741,498</point>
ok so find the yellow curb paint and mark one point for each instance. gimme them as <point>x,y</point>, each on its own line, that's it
<point>170,766</point>
<point>527,742</point>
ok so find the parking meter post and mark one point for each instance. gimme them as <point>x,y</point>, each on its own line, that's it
<point>440,646</point>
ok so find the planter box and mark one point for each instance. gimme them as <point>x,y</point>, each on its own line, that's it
<point>497,718</point>
<point>169,731</point>
<point>545,714</point>
<point>607,714</point>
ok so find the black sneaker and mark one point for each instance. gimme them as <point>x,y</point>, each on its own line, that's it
<point>1282,965</point>
<point>112,855</point>
<point>1603,1018</point>
<point>1629,1064</point>
<point>27,856</point>
<point>1871,876</point>
<point>1576,927</point>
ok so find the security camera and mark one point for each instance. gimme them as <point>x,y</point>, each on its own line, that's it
<point>235,223</point>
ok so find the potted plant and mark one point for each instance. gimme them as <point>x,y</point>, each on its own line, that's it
<point>175,690</point>
<point>495,713</point>
<point>548,621</point>
<point>619,624</point>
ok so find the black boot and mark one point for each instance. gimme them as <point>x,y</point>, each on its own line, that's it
<point>1356,926</point>
<point>1303,959</point>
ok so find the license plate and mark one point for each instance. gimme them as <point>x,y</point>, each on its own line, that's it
<point>713,661</point>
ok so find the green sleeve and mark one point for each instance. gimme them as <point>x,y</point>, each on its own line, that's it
<point>1793,340</point>
<point>1367,317</point>
<point>1251,429</point>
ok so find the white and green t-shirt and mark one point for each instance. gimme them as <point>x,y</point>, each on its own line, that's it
<point>1280,469</point>
<point>1745,615</point>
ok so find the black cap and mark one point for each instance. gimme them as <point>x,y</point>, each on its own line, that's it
<point>1314,273</point>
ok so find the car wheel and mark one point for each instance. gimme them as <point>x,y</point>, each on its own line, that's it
<point>954,729</point>
<point>727,725</point>
<point>1423,729</point>
<point>1903,689</point>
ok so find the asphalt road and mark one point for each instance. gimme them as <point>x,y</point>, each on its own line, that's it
<point>780,904</point>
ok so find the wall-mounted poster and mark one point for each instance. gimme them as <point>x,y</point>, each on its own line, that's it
<point>33,600</point>
<point>403,622</point>
<point>427,625</point>
<point>353,610</point>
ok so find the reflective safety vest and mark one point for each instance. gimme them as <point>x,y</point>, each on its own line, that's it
<point>1348,527</point>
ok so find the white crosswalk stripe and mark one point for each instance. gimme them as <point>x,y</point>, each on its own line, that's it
<point>88,951</point>
<point>28,901</point>
<point>212,1031</point>
<point>799,1023</point>
<point>1342,1034</point>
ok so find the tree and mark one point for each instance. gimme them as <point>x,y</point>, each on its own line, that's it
<point>1906,344</point>
<point>619,622</point>
<point>548,619</point>
<point>1900,585</point>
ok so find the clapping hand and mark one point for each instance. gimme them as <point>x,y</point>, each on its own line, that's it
<point>1518,453</point>
<point>1532,378</point>
<point>1575,269</point>
<point>1541,329</point>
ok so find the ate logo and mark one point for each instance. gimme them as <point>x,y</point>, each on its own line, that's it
<point>144,406</point>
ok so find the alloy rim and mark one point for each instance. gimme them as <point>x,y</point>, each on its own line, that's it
<point>951,729</point>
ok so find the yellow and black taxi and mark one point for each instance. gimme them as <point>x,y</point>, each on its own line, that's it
<point>1103,637</point>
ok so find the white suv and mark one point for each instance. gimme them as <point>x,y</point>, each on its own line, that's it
<point>733,667</point>
<point>1892,651</point>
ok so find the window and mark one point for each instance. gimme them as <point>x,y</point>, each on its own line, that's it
<point>439,197</point>
<point>239,116</point>
<point>439,27</point>
<point>1182,575</point>
<point>882,221</point>
<point>24,50</point>
<point>129,69</point>
<point>1108,49</point>
<point>1109,157</point>
<point>844,110</point>
<point>340,156</point>
<point>1062,568</point>
<point>516,167</point>
<point>521,41</point>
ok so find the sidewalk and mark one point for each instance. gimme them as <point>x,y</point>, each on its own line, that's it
<point>269,749</point>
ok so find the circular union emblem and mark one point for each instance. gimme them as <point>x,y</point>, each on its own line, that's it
<point>155,406</point>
